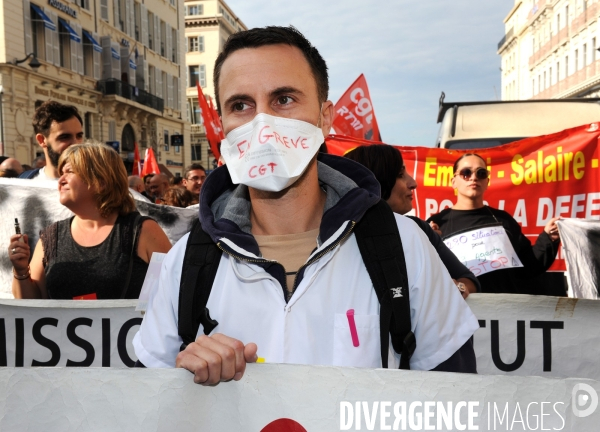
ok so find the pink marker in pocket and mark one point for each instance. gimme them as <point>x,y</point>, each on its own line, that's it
<point>352,325</point>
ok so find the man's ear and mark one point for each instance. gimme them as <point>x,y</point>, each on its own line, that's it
<point>327,114</point>
<point>41,139</point>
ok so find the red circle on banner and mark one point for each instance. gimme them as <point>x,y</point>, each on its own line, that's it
<point>283,425</point>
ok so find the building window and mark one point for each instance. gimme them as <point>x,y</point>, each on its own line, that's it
<point>194,10</point>
<point>84,4</point>
<point>104,10</point>
<point>177,149</point>
<point>566,66</point>
<point>557,22</point>
<point>576,60</point>
<point>197,74</point>
<point>166,139</point>
<point>550,76</point>
<point>196,43</point>
<point>88,125</point>
<point>64,38</point>
<point>196,152</point>
<point>557,71</point>
<point>196,113</point>
<point>594,50</point>
<point>584,55</point>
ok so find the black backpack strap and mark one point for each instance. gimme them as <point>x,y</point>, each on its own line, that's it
<point>381,250</point>
<point>200,266</point>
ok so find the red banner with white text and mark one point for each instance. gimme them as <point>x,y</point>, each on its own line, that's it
<point>533,180</point>
<point>354,114</point>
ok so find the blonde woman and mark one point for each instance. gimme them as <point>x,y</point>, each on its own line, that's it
<point>102,252</point>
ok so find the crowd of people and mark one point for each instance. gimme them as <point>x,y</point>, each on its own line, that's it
<point>318,233</point>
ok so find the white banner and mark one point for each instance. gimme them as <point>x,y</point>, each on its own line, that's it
<point>291,398</point>
<point>68,333</point>
<point>484,249</point>
<point>519,335</point>
<point>580,240</point>
<point>36,206</point>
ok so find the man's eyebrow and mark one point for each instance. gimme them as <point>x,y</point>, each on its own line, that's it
<point>285,90</point>
<point>237,97</point>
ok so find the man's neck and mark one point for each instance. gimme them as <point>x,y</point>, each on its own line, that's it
<point>50,171</point>
<point>464,203</point>
<point>296,210</point>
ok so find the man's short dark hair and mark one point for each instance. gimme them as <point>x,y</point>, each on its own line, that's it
<point>273,35</point>
<point>192,167</point>
<point>52,111</point>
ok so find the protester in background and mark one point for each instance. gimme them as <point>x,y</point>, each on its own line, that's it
<point>9,173</point>
<point>27,167</point>
<point>136,183</point>
<point>176,181</point>
<point>193,178</point>
<point>397,188</point>
<point>470,181</point>
<point>103,251</point>
<point>159,184</point>
<point>39,162</point>
<point>179,197</point>
<point>56,127</point>
<point>13,165</point>
<point>147,179</point>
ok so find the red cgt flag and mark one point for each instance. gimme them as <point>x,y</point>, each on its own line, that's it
<point>354,114</point>
<point>150,164</point>
<point>137,163</point>
<point>216,119</point>
<point>212,131</point>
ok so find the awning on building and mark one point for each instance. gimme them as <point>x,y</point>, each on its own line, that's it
<point>92,41</point>
<point>48,23</point>
<point>72,33</point>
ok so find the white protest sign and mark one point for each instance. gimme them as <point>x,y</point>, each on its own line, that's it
<point>291,398</point>
<point>68,333</point>
<point>483,250</point>
<point>36,205</point>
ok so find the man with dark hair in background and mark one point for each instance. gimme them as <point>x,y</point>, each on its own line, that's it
<point>56,127</point>
<point>193,177</point>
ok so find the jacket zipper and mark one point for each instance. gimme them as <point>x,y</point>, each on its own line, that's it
<point>323,252</point>
<point>287,293</point>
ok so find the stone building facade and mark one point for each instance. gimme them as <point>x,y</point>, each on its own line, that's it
<point>120,62</point>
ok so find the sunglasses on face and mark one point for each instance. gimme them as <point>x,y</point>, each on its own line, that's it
<point>480,173</point>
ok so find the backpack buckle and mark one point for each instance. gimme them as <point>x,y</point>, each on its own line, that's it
<point>208,324</point>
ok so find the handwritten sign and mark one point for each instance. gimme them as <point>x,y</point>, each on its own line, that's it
<point>483,250</point>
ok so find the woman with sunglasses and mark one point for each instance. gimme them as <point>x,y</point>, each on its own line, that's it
<point>470,182</point>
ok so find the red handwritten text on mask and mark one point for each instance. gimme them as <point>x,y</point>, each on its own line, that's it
<point>298,142</point>
<point>255,171</point>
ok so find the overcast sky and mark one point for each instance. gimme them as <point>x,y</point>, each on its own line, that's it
<point>409,50</point>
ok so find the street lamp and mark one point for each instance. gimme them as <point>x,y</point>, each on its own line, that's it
<point>33,63</point>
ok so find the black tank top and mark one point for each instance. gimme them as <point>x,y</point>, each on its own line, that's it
<point>73,270</point>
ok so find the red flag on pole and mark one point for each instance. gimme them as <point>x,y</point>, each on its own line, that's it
<point>216,119</point>
<point>150,164</point>
<point>137,163</point>
<point>212,135</point>
<point>354,114</point>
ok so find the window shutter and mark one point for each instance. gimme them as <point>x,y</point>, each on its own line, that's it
<point>176,46</point>
<point>169,42</point>
<point>170,91</point>
<point>159,86</point>
<point>130,6</point>
<point>104,10</point>
<point>49,39</point>
<point>157,38</point>
<point>116,13</point>
<point>74,50</point>
<point>151,80</point>
<point>27,23</point>
<point>96,58</point>
<point>106,57</point>
<point>177,93</point>
<point>55,38</point>
<point>141,74</point>
<point>116,63</point>
<point>112,130</point>
<point>144,25</point>
<point>79,48</point>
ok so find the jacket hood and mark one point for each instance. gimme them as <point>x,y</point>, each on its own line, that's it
<point>225,207</point>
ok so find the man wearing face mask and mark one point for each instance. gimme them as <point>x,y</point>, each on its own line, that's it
<point>288,282</point>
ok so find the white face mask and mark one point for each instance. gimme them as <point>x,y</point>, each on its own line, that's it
<point>270,153</point>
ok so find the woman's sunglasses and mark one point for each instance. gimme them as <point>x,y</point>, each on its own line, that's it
<point>480,173</point>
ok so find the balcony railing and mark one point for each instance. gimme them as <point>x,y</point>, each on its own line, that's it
<point>117,87</point>
<point>506,37</point>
